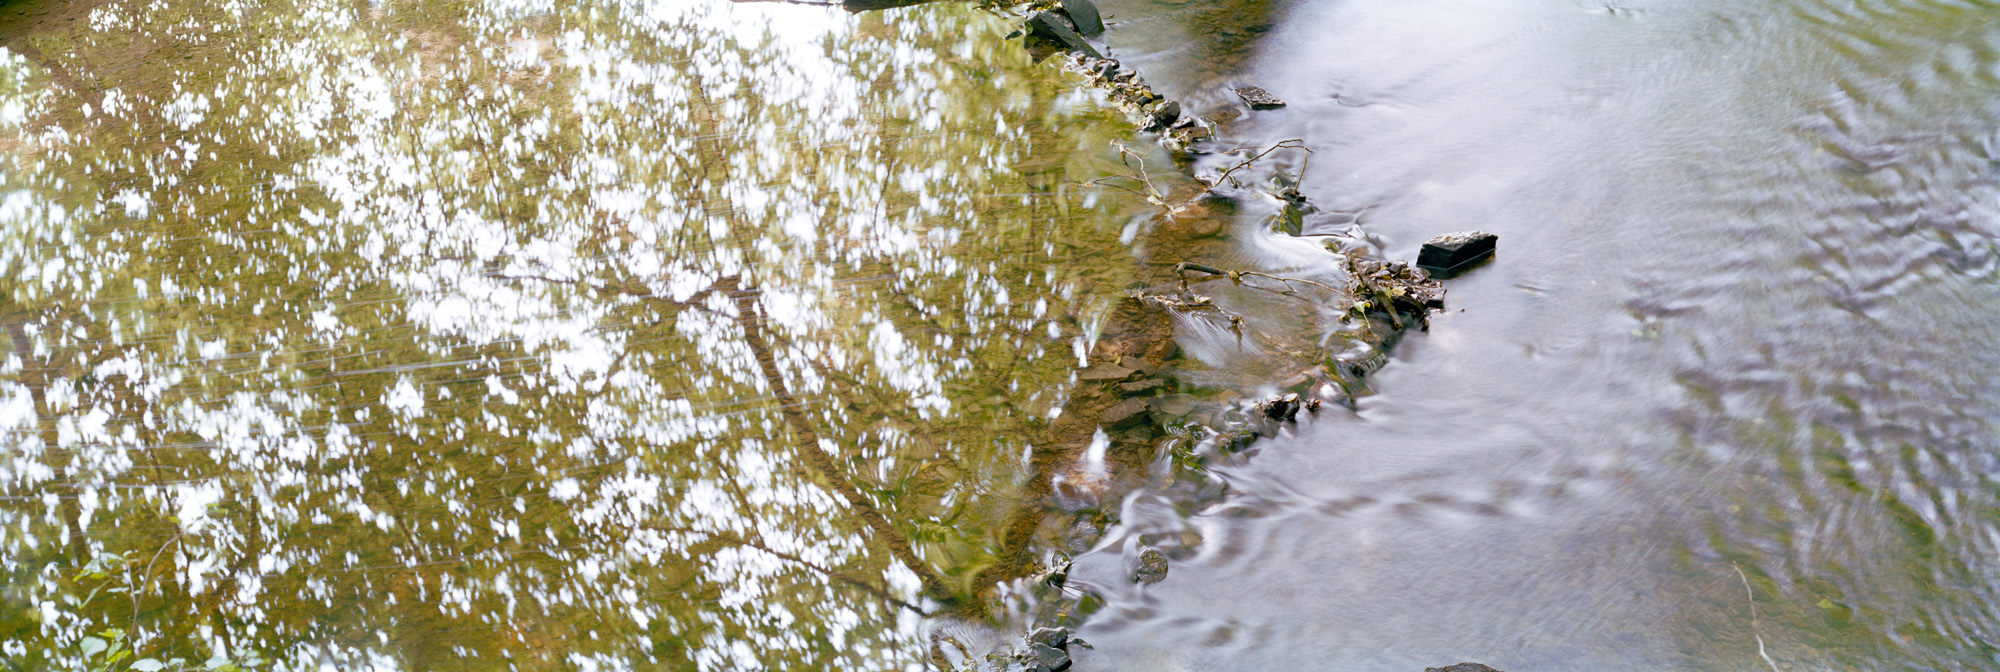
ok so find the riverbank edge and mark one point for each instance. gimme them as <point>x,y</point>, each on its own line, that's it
<point>1385,297</point>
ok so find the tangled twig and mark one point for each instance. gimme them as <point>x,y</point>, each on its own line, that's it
<point>1238,276</point>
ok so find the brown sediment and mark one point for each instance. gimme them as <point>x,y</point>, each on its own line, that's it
<point>21,19</point>
<point>1134,335</point>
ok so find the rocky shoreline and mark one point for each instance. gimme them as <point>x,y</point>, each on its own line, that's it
<point>1143,405</point>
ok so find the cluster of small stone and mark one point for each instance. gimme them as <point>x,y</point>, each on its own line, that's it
<point>1047,651</point>
<point>1063,30</point>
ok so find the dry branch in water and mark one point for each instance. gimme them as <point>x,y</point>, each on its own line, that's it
<point>1158,196</point>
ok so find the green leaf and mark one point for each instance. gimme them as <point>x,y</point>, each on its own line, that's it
<point>92,646</point>
<point>148,665</point>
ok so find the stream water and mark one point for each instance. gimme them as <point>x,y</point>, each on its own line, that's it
<point>1724,401</point>
<point>681,334</point>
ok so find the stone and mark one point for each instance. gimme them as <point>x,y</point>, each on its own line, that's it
<point>1138,386</point>
<point>1054,28</point>
<point>1055,638</point>
<point>1454,253</point>
<point>1462,667</point>
<point>1084,13</point>
<point>1049,658</point>
<point>1259,99</point>
<point>1152,567</point>
<point>1175,404</point>
<point>1125,413</point>
<point>1167,113</point>
<point>1106,371</point>
<point>1282,408</point>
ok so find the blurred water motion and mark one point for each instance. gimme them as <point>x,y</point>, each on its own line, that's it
<point>1724,401</point>
<point>427,335</point>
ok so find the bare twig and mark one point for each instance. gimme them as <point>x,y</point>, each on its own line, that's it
<point>1294,143</point>
<point>1155,195</point>
<point>1238,276</point>
<point>1752,596</point>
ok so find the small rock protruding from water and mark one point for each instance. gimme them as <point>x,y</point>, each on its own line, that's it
<point>1050,648</point>
<point>1258,98</point>
<point>1084,13</point>
<point>1287,407</point>
<point>1454,253</point>
<point>1055,28</point>
<point>1462,667</point>
<point>1167,113</point>
<point>1152,567</point>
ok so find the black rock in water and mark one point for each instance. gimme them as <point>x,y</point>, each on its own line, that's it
<point>1462,667</point>
<point>1166,113</point>
<point>1048,658</point>
<point>1084,13</point>
<point>1259,99</point>
<point>1054,28</point>
<point>1054,638</point>
<point>1454,253</point>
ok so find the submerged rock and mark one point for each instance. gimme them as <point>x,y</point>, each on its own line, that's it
<point>1107,371</point>
<point>1462,667</point>
<point>1125,413</point>
<point>1140,386</point>
<point>1258,98</point>
<point>1152,567</point>
<point>1454,253</point>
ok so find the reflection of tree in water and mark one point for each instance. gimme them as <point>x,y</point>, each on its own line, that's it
<point>419,335</point>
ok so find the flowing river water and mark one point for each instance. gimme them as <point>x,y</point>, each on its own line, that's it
<point>1725,401</point>
<point>699,335</point>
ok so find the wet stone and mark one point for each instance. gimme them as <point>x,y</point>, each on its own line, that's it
<point>1152,567</point>
<point>1106,371</point>
<point>1462,667</point>
<point>1174,404</point>
<point>1054,28</point>
<point>1049,658</point>
<point>1454,253</point>
<point>1055,638</point>
<point>1258,98</point>
<point>1167,113</point>
<point>1084,13</point>
<point>1282,408</point>
<point>1138,386</point>
<point>1125,413</point>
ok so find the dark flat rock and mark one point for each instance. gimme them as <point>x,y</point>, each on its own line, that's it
<point>1259,99</point>
<point>1054,28</point>
<point>1462,667</point>
<point>1084,13</point>
<point>1124,413</point>
<point>1106,371</point>
<point>1454,253</point>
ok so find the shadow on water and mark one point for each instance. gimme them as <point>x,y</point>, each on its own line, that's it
<point>1724,401</point>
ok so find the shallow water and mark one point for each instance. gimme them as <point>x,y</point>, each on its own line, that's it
<point>1724,401</point>
<point>728,336</point>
